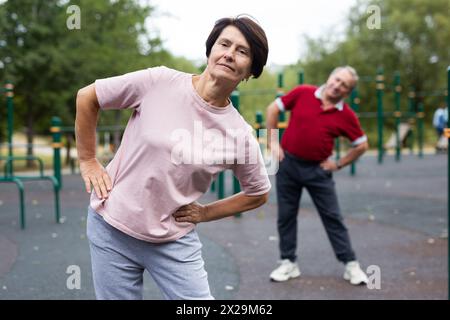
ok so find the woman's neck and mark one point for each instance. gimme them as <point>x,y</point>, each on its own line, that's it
<point>211,90</point>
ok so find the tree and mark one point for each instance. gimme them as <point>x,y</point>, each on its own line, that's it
<point>48,62</point>
<point>412,38</point>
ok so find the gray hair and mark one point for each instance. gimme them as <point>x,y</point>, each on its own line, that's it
<point>351,70</point>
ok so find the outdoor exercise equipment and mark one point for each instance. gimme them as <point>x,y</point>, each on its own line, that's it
<point>8,169</point>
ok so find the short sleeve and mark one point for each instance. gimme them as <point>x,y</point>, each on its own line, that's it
<point>251,171</point>
<point>289,100</point>
<point>127,90</point>
<point>353,129</point>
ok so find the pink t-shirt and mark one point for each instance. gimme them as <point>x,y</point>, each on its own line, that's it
<point>173,147</point>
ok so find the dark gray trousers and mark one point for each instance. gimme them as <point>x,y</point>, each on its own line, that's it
<point>293,175</point>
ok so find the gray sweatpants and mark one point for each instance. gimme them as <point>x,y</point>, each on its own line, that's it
<point>119,260</point>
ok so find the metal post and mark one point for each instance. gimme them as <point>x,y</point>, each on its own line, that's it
<point>420,116</point>
<point>10,114</point>
<point>236,185</point>
<point>411,120</point>
<point>282,115</point>
<point>220,186</point>
<point>22,202</point>
<point>301,77</point>
<point>280,80</point>
<point>259,123</point>
<point>397,115</point>
<point>354,103</point>
<point>56,145</point>
<point>380,88</point>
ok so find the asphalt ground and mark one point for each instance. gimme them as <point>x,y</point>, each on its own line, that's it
<point>396,214</point>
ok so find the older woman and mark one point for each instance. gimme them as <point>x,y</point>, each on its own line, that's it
<point>182,133</point>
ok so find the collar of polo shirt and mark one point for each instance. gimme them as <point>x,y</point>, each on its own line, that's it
<point>318,95</point>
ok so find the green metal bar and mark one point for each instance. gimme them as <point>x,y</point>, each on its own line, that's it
<point>280,80</point>
<point>221,186</point>
<point>9,88</point>
<point>398,90</point>
<point>259,123</point>
<point>420,116</point>
<point>9,163</point>
<point>41,176</point>
<point>236,185</point>
<point>235,100</point>
<point>380,88</point>
<point>56,133</point>
<point>355,106</point>
<point>21,188</point>
<point>21,200</point>
<point>301,77</point>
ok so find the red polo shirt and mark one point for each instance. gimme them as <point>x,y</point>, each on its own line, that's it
<point>311,131</point>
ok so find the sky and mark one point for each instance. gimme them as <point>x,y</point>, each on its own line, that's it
<point>184,25</point>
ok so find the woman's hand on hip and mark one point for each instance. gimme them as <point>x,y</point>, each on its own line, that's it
<point>193,212</point>
<point>93,173</point>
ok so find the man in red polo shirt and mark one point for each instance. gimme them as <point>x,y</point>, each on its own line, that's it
<point>318,116</point>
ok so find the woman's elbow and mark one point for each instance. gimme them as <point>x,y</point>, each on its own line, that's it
<point>82,92</point>
<point>87,95</point>
<point>263,199</point>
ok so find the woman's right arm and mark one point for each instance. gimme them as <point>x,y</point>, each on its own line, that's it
<point>92,172</point>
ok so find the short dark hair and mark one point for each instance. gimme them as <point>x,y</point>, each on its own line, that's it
<point>253,33</point>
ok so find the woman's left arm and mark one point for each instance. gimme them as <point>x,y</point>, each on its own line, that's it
<point>196,212</point>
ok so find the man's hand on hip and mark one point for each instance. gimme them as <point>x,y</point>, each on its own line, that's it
<point>329,165</point>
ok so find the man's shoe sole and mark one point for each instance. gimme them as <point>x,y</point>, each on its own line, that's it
<point>295,275</point>
<point>347,277</point>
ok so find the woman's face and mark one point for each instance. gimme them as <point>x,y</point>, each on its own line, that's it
<point>230,56</point>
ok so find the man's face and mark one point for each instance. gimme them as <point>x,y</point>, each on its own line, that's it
<point>339,85</point>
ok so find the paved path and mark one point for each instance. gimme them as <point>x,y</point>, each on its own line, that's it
<point>396,214</point>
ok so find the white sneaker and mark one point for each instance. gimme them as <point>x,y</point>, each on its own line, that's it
<point>354,274</point>
<point>285,271</point>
